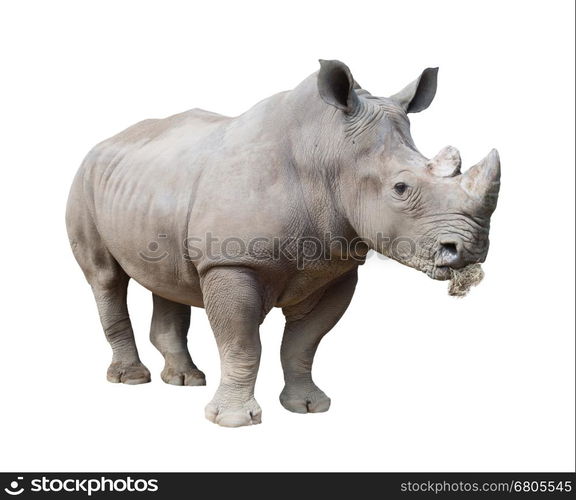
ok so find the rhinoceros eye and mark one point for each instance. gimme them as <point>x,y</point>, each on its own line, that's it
<point>400,188</point>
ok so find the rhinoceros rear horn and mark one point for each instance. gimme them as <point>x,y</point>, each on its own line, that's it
<point>446,163</point>
<point>482,183</point>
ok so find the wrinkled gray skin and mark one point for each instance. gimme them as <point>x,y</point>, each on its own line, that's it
<point>326,157</point>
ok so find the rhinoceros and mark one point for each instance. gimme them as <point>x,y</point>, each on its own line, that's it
<point>232,215</point>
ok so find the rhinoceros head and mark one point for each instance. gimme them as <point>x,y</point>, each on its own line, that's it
<point>423,212</point>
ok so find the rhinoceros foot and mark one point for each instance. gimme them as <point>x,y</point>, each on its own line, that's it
<point>190,376</point>
<point>228,410</point>
<point>304,398</point>
<point>128,373</point>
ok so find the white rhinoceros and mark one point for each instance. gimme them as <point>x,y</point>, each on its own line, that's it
<point>275,207</point>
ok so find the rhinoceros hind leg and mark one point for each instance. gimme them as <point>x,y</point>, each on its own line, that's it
<point>168,333</point>
<point>306,324</point>
<point>110,296</point>
<point>109,284</point>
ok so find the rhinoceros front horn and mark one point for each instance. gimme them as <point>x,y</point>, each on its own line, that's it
<point>482,183</point>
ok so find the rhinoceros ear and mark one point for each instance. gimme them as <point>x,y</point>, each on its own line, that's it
<point>336,85</point>
<point>419,94</point>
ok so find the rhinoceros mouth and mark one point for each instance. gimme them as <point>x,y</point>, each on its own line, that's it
<point>440,273</point>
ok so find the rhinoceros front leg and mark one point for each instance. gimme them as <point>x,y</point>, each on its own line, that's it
<point>306,324</point>
<point>168,333</point>
<point>233,301</point>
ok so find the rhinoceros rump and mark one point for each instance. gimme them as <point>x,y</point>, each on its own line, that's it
<point>274,208</point>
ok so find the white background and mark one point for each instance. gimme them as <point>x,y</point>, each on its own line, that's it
<point>419,381</point>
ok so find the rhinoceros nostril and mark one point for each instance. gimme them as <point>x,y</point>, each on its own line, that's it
<point>449,253</point>
<point>449,249</point>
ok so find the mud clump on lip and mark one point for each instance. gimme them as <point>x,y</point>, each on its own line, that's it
<point>462,280</point>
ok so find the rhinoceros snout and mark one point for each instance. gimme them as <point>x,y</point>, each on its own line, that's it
<point>454,253</point>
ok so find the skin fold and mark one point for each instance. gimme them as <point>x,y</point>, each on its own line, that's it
<point>274,208</point>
